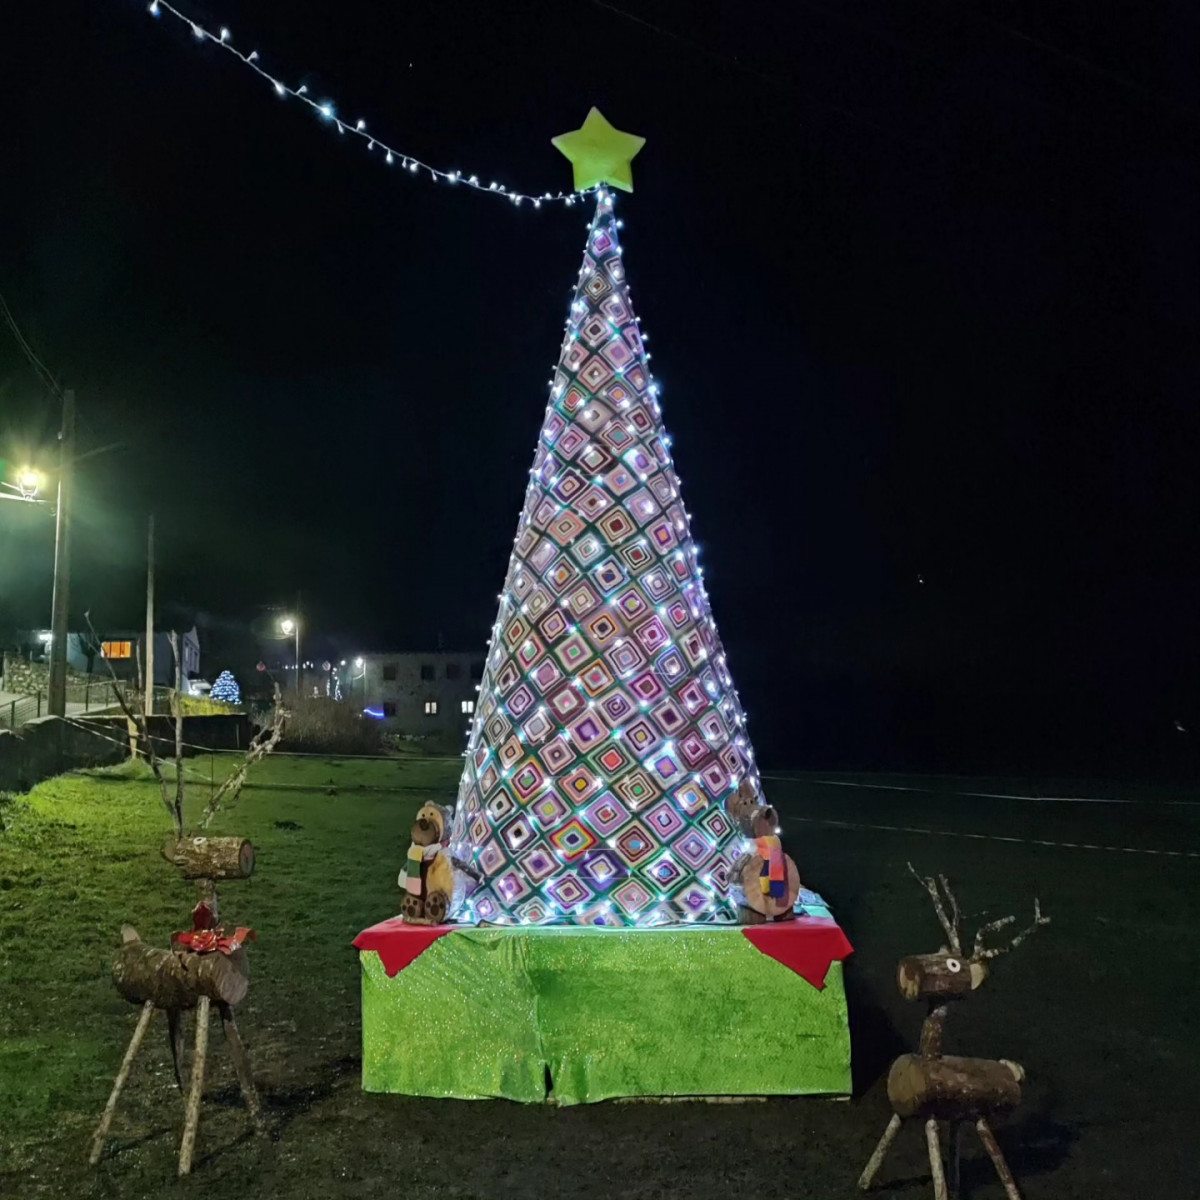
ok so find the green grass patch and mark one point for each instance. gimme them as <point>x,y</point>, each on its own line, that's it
<point>79,856</point>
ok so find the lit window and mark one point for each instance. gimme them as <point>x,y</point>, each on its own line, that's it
<point>468,706</point>
<point>431,708</point>
<point>116,649</point>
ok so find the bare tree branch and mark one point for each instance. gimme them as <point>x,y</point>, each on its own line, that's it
<point>138,720</point>
<point>174,638</point>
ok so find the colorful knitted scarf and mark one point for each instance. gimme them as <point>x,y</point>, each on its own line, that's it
<point>774,871</point>
<point>416,856</point>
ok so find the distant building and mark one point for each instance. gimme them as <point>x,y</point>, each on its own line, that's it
<point>415,693</point>
<point>123,650</point>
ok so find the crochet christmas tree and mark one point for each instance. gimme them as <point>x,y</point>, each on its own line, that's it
<point>608,733</point>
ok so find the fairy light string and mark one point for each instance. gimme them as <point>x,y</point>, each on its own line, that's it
<point>223,39</point>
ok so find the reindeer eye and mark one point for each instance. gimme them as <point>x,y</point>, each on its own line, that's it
<point>953,966</point>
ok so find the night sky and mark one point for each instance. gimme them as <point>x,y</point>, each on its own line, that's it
<point>920,283</point>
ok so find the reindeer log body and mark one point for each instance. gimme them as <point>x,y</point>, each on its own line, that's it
<point>951,1088</point>
<point>174,979</point>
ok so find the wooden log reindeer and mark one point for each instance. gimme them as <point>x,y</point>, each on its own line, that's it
<point>766,882</point>
<point>936,1087</point>
<point>203,967</point>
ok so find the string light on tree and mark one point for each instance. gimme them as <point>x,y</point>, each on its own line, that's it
<point>603,745</point>
<point>225,688</point>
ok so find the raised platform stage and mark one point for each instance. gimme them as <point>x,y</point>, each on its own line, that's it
<point>572,1015</point>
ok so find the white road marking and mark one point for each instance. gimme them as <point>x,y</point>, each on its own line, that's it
<point>993,837</point>
<point>894,787</point>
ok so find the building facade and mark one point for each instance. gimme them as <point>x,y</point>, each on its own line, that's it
<point>123,648</point>
<point>416,694</point>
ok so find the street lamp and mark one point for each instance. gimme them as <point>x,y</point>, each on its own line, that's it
<point>29,482</point>
<point>287,627</point>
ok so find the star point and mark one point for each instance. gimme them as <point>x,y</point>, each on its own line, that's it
<point>598,153</point>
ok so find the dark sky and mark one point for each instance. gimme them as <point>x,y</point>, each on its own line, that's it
<point>920,280</point>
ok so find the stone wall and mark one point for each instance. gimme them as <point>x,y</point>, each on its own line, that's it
<point>49,746</point>
<point>24,677</point>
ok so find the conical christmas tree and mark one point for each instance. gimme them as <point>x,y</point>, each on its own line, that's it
<point>225,688</point>
<point>608,734</point>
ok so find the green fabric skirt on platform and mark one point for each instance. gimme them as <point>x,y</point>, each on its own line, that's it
<point>577,1015</point>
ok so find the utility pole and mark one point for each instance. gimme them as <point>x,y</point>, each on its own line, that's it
<point>57,698</point>
<point>149,656</point>
<point>299,672</point>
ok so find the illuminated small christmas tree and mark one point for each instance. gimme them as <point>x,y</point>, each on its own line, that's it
<point>608,734</point>
<point>226,689</point>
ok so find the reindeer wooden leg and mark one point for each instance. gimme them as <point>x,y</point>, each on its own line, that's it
<point>988,1138</point>
<point>192,1115</point>
<point>876,1160</point>
<point>175,1032</point>
<point>935,1160</point>
<point>955,1185</point>
<point>241,1064</point>
<point>123,1074</point>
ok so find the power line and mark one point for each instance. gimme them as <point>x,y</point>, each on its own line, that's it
<point>43,372</point>
<point>1086,64</point>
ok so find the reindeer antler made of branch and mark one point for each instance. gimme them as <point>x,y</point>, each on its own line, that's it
<point>978,954</point>
<point>950,926</point>
<point>260,746</point>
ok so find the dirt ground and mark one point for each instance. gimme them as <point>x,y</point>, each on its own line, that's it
<point>1100,1007</point>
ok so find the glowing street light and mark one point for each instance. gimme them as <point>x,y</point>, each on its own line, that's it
<point>289,626</point>
<point>29,482</point>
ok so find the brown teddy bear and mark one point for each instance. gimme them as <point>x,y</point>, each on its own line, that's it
<point>764,883</point>
<point>428,878</point>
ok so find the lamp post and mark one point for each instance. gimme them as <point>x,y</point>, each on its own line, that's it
<point>287,627</point>
<point>57,690</point>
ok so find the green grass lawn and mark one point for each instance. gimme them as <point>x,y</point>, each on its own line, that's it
<point>1101,1007</point>
<point>79,856</point>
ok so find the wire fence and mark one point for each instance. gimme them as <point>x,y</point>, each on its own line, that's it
<point>83,696</point>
